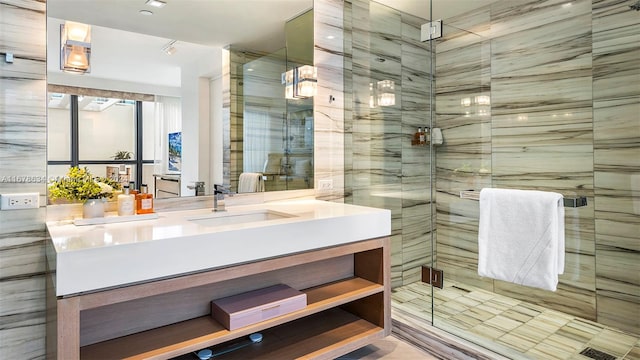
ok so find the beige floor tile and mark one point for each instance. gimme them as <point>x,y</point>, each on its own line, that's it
<point>479,314</point>
<point>516,342</point>
<point>634,354</point>
<point>587,326</point>
<point>486,318</point>
<point>613,342</point>
<point>577,333</point>
<point>529,309</point>
<point>485,331</point>
<point>468,301</point>
<point>550,350</point>
<point>420,288</point>
<point>531,333</point>
<point>543,353</point>
<point>517,316</point>
<point>497,304</point>
<point>403,296</point>
<point>464,321</point>
<point>389,348</point>
<point>481,296</point>
<point>507,302</point>
<point>422,302</point>
<point>503,323</point>
<point>414,310</point>
<point>564,344</point>
<point>456,305</point>
<point>554,319</point>
<point>490,309</point>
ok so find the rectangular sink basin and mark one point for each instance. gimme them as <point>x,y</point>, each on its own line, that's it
<point>231,218</point>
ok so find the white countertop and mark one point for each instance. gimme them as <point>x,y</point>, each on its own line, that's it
<point>93,257</point>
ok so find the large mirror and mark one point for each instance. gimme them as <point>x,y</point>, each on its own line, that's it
<point>185,92</point>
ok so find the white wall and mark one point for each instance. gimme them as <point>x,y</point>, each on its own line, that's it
<point>216,133</point>
<point>196,121</point>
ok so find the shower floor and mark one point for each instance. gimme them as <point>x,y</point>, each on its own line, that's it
<point>512,328</point>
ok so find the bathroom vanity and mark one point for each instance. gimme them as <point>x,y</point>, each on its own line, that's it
<point>142,289</point>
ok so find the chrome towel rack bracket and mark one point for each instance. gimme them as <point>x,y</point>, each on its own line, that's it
<point>572,202</point>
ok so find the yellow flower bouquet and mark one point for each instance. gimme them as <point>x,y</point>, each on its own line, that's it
<point>80,185</point>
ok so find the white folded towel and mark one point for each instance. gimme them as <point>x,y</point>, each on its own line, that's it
<point>521,237</point>
<point>250,182</point>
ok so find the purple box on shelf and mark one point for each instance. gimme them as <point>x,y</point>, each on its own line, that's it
<point>252,307</point>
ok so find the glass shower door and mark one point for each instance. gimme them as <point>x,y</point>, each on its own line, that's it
<point>388,68</point>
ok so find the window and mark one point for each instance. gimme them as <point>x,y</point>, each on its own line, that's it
<point>91,130</point>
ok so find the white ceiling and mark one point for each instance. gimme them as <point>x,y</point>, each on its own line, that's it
<point>131,43</point>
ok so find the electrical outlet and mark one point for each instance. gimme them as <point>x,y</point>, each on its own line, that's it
<point>325,184</point>
<point>19,201</point>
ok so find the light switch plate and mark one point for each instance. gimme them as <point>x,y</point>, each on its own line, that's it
<point>325,185</point>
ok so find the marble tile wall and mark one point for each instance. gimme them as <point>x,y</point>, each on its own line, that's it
<point>616,147</point>
<point>329,103</point>
<point>463,73</point>
<point>541,108</point>
<point>22,169</point>
<point>563,117</point>
<point>384,169</point>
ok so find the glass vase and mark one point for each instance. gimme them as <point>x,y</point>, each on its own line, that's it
<point>93,208</point>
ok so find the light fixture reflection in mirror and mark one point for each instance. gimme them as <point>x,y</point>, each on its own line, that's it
<point>383,94</point>
<point>386,93</point>
<point>75,47</point>
<point>301,82</point>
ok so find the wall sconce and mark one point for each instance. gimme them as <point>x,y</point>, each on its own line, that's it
<point>75,47</point>
<point>386,93</point>
<point>300,82</point>
<point>483,100</point>
<point>383,94</point>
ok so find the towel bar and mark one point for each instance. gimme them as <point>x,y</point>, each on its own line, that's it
<point>568,202</point>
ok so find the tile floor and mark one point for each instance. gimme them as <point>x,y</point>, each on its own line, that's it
<point>389,348</point>
<point>513,328</point>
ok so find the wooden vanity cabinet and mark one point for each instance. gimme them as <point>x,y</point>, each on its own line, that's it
<point>348,306</point>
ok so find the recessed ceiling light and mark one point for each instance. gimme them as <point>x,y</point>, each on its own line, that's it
<point>156,3</point>
<point>331,37</point>
<point>145,12</point>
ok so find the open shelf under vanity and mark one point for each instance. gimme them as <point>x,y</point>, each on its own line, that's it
<point>348,306</point>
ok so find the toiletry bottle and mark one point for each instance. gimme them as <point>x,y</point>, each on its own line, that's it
<point>144,201</point>
<point>126,203</point>
<point>416,137</point>
<point>132,188</point>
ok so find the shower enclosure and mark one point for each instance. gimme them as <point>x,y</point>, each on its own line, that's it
<point>529,94</point>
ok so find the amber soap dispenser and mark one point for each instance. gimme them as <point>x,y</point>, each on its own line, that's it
<point>144,201</point>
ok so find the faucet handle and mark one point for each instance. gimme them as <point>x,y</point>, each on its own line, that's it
<point>198,186</point>
<point>221,189</point>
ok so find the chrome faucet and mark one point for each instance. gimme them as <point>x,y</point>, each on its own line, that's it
<point>218,197</point>
<point>198,187</point>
